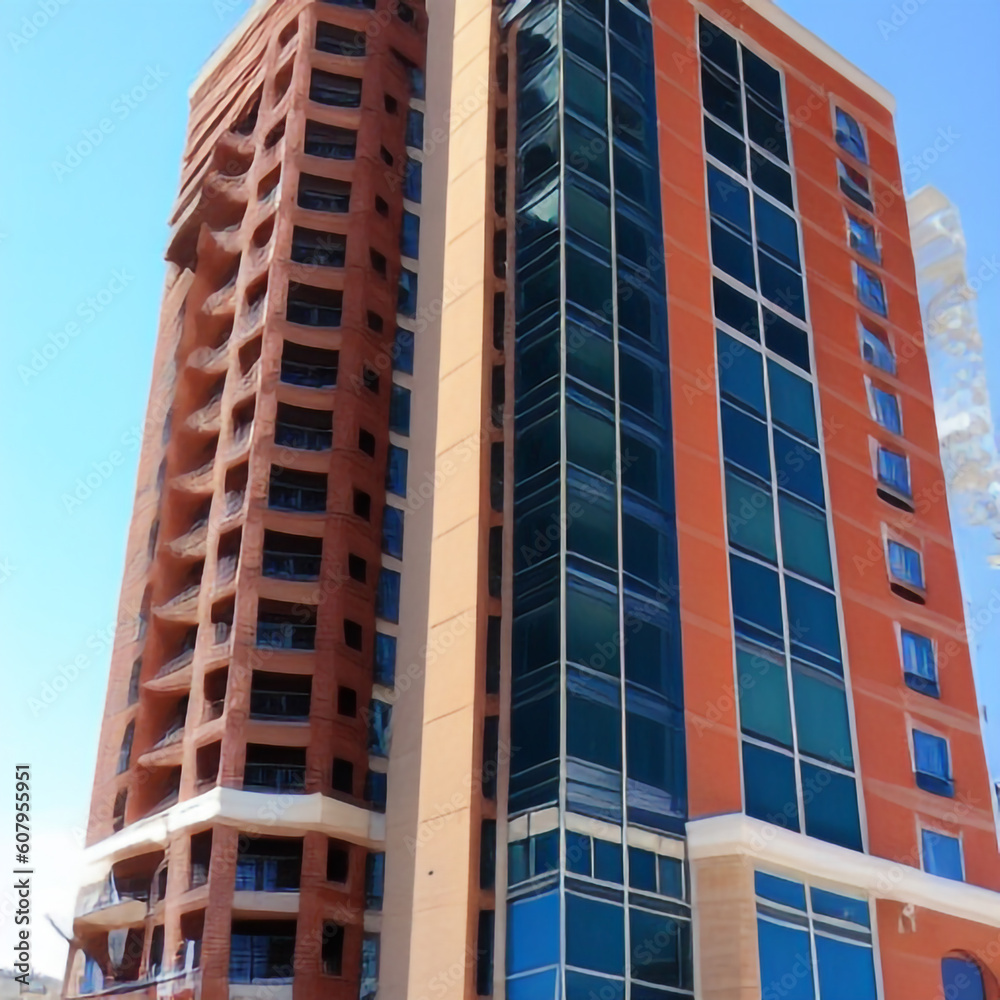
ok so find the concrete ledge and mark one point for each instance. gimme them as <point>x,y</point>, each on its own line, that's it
<point>775,849</point>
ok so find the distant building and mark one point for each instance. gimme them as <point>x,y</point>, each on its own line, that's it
<point>39,987</point>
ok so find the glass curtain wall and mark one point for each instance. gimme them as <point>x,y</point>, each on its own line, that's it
<point>597,702</point>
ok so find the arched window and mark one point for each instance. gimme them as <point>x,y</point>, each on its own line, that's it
<point>125,753</point>
<point>962,979</point>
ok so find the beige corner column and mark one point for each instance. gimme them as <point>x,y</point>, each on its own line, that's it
<point>430,912</point>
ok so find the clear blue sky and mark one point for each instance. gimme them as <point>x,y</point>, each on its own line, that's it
<point>67,227</point>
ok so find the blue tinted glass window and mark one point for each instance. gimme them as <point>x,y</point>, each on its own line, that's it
<point>831,904</point>
<point>798,469</point>
<point>781,284</point>
<point>412,180</point>
<point>780,890</point>
<point>863,239</point>
<point>930,755</point>
<point>850,137</point>
<point>894,471</point>
<point>736,309</point>
<point>406,302</point>
<point>732,253</point>
<point>387,595</point>
<point>385,659</point>
<point>871,291</point>
<point>906,565</point>
<point>399,410</point>
<point>756,596</point>
<point>805,542</point>
<point>583,987</point>
<point>545,848</point>
<point>886,407</point>
<point>831,803</point>
<point>392,531</point>
<point>729,200</point>
<point>876,351</point>
<point>962,979</point>
<point>660,947</point>
<point>812,618</point>
<point>769,784</point>
<point>608,863</point>
<point>764,703</point>
<point>402,352</point>
<point>846,970</point>
<point>533,933</point>
<point>792,402</point>
<point>918,656</point>
<point>786,339</point>
<point>785,961</point>
<point>395,471</point>
<point>726,147</point>
<point>641,869</point>
<point>671,875</point>
<point>540,986</point>
<point>750,516</point>
<point>744,441</point>
<point>777,231</point>
<point>379,720</point>
<point>741,372</point>
<point>577,853</point>
<point>409,235</point>
<point>595,934</point>
<point>822,722</point>
<point>415,129</point>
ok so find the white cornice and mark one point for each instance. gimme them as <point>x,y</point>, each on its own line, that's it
<point>775,849</point>
<point>252,812</point>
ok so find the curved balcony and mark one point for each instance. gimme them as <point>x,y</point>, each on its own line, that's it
<point>235,503</point>
<point>198,480</point>
<point>222,302</point>
<point>182,607</point>
<point>211,361</point>
<point>207,420</point>
<point>113,903</point>
<point>239,445</point>
<point>247,385</point>
<point>191,544</point>
<point>183,659</point>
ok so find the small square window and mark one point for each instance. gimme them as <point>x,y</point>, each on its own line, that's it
<point>932,764</point>
<point>370,379</point>
<point>333,948</point>
<point>353,634</point>
<point>906,565</point>
<point>337,861</point>
<point>357,568</point>
<point>855,185</point>
<point>347,702</point>
<point>864,239</point>
<point>919,663</point>
<point>942,855</point>
<point>342,779</point>
<point>871,291</point>
<point>850,136</point>
<point>885,409</point>
<point>362,505</point>
<point>875,349</point>
<point>894,471</point>
<point>366,442</point>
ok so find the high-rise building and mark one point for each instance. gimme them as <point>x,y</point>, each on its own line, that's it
<point>948,293</point>
<point>582,623</point>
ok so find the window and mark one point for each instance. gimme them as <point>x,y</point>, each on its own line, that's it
<point>374,880</point>
<point>406,300</point>
<point>962,979</point>
<point>335,90</point>
<point>855,185</point>
<point>338,858</point>
<point>402,351</point>
<point>338,40</point>
<point>125,751</point>
<point>885,409</point>
<point>906,565</point>
<point>385,659</point>
<point>932,763</point>
<point>330,142</point>
<point>347,702</point>
<point>487,853</point>
<point>366,443</point>
<point>262,951</point>
<point>850,137</point>
<point>267,864</point>
<point>942,855</point>
<point>368,989</point>
<point>387,595</point>
<point>133,682</point>
<point>795,923</point>
<point>894,471</point>
<point>392,532</point>
<point>370,379</point>
<point>332,949</point>
<point>379,719</point>
<point>342,777</point>
<point>919,662</point>
<point>395,471</point>
<point>875,350</point>
<point>871,292</point>
<point>415,129</point>
<point>412,180</point>
<point>484,954</point>
<point>353,634</point>
<point>409,236</point>
<point>863,239</point>
<point>399,410</point>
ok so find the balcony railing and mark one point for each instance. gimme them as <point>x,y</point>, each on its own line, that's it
<point>303,438</point>
<point>286,635</point>
<point>279,705</point>
<point>307,314</point>
<point>275,777</point>
<point>262,874</point>
<point>309,376</point>
<point>181,660</point>
<point>298,498</point>
<point>111,892</point>
<point>323,201</point>
<point>292,565</point>
<point>173,735</point>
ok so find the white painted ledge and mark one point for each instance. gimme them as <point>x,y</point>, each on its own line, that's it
<point>773,849</point>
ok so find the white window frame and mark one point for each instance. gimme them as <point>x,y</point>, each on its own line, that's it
<point>863,131</point>
<point>870,388</point>
<point>889,537</point>
<point>850,218</point>
<point>857,268</point>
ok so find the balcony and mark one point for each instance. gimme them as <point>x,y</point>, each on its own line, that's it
<point>292,557</point>
<point>182,606</point>
<point>192,543</point>
<point>222,302</point>
<point>198,480</point>
<point>208,419</point>
<point>181,660</point>
<point>318,249</point>
<point>303,429</point>
<point>115,902</point>
<point>284,697</point>
<point>274,777</point>
<point>234,501</point>
<point>225,570</point>
<point>209,360</point>
<point>279,632</point>
<point>330,142</point>
<point>321,194</point>
<point>334,90</point>
<point>312,306</point>
<point>310,367</point>
<point>290,490</point>
<point>339,41</point>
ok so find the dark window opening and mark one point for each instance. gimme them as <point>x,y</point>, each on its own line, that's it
<point>303,429</point>
<point>292,557</point>
<point>312,306</point>
<point>280,696</point>
<point>311,367</point>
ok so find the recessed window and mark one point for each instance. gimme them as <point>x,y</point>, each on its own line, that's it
<point>337,861</point>
<point>885,409</point>
<point>347,702</point>
<point>357,568</point>
<point>379,722</point>
<point>906,565</point>
<point>942,856</point>
<point>855,185</point>
<point>391,104</point>
<point>335,90</point>
<point>399,410</point>
<point>932,764</point>
<point>387,595</point>
<point>415,129</point>
<point>871,291</point>
<point>412,180</point>
<point>875,349</point>
<point>962,979</point>
<point>864,239</point>
<point>366,442</point>
<point>362,504</point>
<point>395,470</point>
<point>332,951</point>
<point>338,40</point>
<point>850,136</point>
<point>919,662</point>
<point>370,379</point>
<point>392,532</point>
<point>894,471</point>
<point>353,634</point>
<point>342,779</point>
<point>330,142</point>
